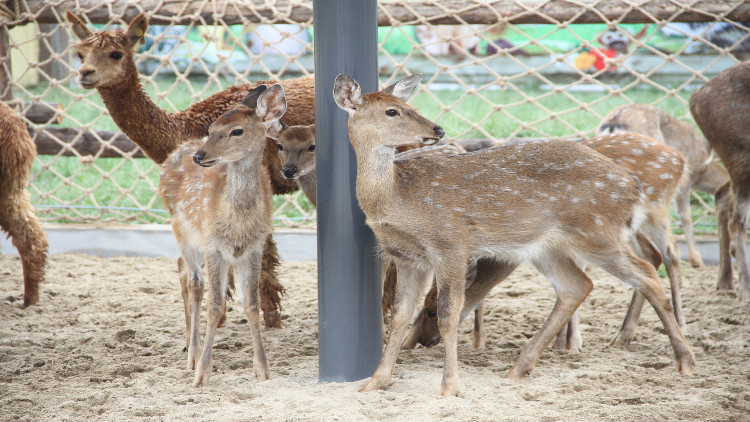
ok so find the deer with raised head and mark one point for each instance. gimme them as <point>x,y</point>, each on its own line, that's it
<point>661,170</point>
<point>555,205</point>
<point>219,199</point>
<point>721,108</point>
<point>706,174</point>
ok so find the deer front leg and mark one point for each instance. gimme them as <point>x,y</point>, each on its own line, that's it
<point>217,287</point>
<point>194,286</point>
<point>569,338</point>
<point>450,289</point>
<point>251,304</point>
<point>740,221</point>
<point>682,200</point>
<point>572,286</point>
<point>724,206</point>
<point>410,284</point>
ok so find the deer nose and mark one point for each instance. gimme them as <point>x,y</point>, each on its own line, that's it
<point>439,131</point>
<point>198,157</point>
<point>289,172</point>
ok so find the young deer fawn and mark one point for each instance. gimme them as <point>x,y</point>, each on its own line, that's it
<point>721,109</point>
<point>660,170</point>
<point>706,174</point>
<point>555,204</point>
<point>221,216</point>
<point>296,146</point>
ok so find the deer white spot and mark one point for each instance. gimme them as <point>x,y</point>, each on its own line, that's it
<point>599,184</point>
<point>611,176</point>
<point>666,176</point>
<point>529,200</point>
<point>649,190</point>
<point>654,165</point>
<point>636,151</point>
<point>428,200</point>
<point>614,196</point>
<point>458,209</point>
<point>434,184</point>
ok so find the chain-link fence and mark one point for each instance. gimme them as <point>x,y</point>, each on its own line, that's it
<point>492,70</point>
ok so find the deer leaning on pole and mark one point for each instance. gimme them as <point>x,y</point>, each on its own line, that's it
<point>555,205</point>
<point>221,216</point>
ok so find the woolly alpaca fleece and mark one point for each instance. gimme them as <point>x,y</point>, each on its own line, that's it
<point>17,216</point>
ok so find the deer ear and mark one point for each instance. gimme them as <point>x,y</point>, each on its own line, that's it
<point>251,99</point>
<point>79,27</point>
<point>347,93</point>
<point>404,88</point>
<point>271,104</point>
<point>137,29</point>
<point>274,131</point>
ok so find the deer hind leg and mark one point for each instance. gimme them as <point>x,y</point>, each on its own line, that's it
<point>632,270</point>
<point>572,286</point>
<point>724,211</point>
<point>184,275</point>
<point>20,221</point>
<point>742,211</point>
<point>217,287</point>
<point>569,338</point>
<point>251,305</point>
<point>409,287</point>
<point>682,201</point>
<point>480,332</point>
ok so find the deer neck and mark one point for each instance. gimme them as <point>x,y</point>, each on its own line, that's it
<point>243,190</point>
<point>376,176</point>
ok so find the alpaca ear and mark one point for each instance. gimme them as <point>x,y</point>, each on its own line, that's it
<point>78,26</point>
<point>347,93</point>
<point>274,131</point>
<point>271,104</point>
<point>404,88</point>
<point>251,99</point>
<point>137,29</point>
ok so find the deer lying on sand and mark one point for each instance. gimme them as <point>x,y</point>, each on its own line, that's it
<point>660,170</point>
<point>555,204</point>
<point>706,175</point>
<point>221,216</point>
<point>721,108</point>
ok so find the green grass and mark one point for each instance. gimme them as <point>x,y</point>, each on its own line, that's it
<point>104,189</point>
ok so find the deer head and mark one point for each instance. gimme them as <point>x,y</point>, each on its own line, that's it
<point>241,131</point>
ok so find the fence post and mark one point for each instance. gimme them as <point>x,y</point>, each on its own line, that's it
<point>349,290</point>
<point>6,77</point>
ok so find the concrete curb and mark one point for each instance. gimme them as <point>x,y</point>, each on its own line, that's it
<point>152,240</point>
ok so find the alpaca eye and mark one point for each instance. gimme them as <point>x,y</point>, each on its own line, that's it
<point>311,148</point>
<point>281,148</point>
<point>391,112</point>
<point>237,132</point>
<point>115,56</point>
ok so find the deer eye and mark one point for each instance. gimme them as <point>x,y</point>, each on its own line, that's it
<point>391,112</point>
<point>311,148</point>
<point>237,132</point>
<point>115,56</point>
<point>281,148</point>
<point>431,314</point>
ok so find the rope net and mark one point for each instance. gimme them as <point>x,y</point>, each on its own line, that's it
<point>500,70</point>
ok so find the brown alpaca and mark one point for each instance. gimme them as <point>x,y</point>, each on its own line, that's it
<point>17,216</point>
<point>109,67</point>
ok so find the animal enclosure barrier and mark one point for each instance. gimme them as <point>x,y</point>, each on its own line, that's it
<point>505,69</point>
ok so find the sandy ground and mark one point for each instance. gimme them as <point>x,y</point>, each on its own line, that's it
<point>106,343</point>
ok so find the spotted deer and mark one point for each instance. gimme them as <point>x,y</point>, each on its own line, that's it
<point>555,205</point>
<point>219,198</point>
<point>721,108</point>
<point>661,170</point>
<point>705,173</point>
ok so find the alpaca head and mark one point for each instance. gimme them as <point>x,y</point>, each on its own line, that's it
<point>107,56</point>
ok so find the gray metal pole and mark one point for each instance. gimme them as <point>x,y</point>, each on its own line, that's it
<point>349,290</point>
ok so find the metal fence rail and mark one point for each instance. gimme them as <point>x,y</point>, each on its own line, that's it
<point>498,69</point>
